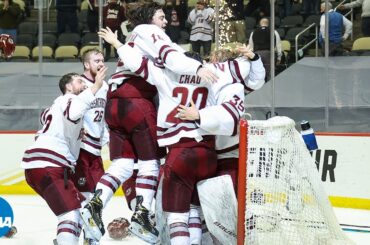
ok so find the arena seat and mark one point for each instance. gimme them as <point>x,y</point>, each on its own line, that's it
<point>362,43</point>
<point>67,52</point>
<point>21,53</point>
<point>47,53</point>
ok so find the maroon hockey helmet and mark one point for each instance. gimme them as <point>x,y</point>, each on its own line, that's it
<point>7,45</point>
<point>118,228</point>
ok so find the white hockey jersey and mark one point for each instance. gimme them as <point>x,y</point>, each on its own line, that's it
<point>177,89</point>
<point>58,142</point>
<point>201,20</point>
<point>226,128</point>
<point>95,128</point>
<point>154,43</point>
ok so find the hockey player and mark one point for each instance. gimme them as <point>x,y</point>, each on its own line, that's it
<point>227,139</point>
<point>133,126</point>
<point>227,147</point>
<point>89,167</point>
<point>191,156</point>
<point>51,159</point>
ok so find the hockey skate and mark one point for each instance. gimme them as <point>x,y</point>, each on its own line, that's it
<point>142,225</point>
<point>91,216</point>
<point>89,239</point>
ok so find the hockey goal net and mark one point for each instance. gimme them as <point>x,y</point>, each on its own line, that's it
<point>280,196</point>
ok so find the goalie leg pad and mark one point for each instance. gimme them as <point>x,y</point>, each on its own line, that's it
<point>218,202</point>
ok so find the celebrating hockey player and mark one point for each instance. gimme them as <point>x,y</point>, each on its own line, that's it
<point>89,167</point>
<point>51,159</point>
<point>133,126</point>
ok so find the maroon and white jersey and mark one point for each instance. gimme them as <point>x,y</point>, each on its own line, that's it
<point>154,43</point>
<point>58,142</point>
<point>96,132</point>
<point>219,119</point>
<point>126,84</point>
<point>177,89</point>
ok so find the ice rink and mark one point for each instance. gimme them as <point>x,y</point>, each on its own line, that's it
<point>36,224</point>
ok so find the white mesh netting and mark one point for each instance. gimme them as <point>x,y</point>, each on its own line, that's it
<point>285,202</point>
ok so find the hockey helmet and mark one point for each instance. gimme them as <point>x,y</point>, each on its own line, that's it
<point>7,45</point>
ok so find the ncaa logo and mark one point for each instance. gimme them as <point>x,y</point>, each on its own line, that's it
<point>6,217</point>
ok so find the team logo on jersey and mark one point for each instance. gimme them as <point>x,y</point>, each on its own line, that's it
<point>82,181</point>
<point>6,217</point>
<point>128,191</point>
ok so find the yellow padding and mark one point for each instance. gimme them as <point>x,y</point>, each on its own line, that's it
<point>349,202</point>
<point>22,188</point>
<point>20,174</point>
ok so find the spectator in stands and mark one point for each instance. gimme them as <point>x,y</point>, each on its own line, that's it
<point>259,41</point>
<point>201,33</point>
<point>10,13</point>
<point>337,25</point>
<point>92,16</point>
<point>67,15</point>
<point>113,16</point>
<point>365,16</point>
<point>173,26</point>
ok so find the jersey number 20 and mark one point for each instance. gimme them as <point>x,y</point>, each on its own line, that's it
<point>183,92</point>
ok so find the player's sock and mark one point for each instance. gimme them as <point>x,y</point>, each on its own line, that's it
<point>195,226</point>
<point>69,229</point>
<point>178,226</point>
<point>108,184</point>
<point>119,171</point>
<point>146,181</point>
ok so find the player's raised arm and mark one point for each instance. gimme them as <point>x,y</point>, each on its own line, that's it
<point>132,59</point>
<point>254,79</point>
<point>110,37</point>
<point>159,45</point>
<point>220,119</point>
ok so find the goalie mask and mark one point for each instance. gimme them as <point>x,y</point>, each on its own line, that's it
<point>7,45</point>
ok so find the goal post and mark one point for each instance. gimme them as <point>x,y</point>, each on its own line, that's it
<point>280,195</point>
<point>242,181</point>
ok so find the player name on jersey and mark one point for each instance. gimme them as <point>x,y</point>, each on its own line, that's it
<point>188,79</point>
<point>98,103</point>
